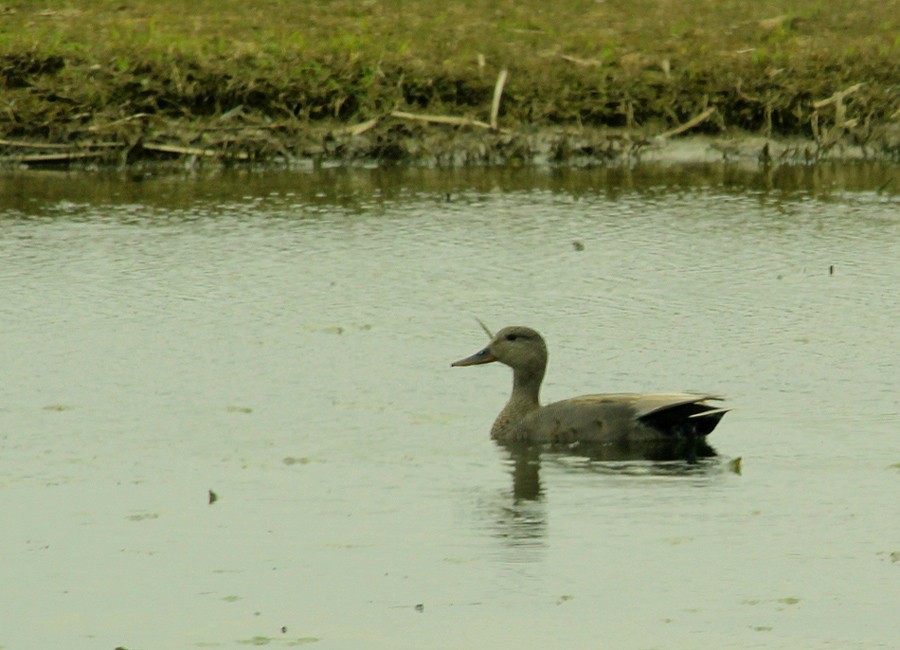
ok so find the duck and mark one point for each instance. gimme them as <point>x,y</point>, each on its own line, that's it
<point>602,419</point>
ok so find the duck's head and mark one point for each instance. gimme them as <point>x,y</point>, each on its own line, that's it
<point>520,348</point>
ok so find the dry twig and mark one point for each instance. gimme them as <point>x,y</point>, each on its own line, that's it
<point>484,327</point>
<point>358,129</point>
<point>192,151</point>
<point>440,119</point>
<point>690,124</point>
<point>498,92</point>
<point>587,63</point>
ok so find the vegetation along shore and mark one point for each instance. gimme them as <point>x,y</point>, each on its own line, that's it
<point>118,82</point>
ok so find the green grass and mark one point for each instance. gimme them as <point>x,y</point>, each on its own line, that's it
<point>446,32</point>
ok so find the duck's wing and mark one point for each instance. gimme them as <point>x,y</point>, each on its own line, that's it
<point>639,405</point>
<point>616,416</point>
<point>646,405</point>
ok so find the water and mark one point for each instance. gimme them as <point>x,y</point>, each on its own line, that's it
<point>284,340</point>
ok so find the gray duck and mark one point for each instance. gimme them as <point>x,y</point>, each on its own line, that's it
<point>614,418</point>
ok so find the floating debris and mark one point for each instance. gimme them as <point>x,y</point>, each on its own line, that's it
<point>484,327</point>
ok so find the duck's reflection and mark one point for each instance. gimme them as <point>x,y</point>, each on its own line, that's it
<point>673,458</point>
<point>525,462</point>
<point>522,518</point>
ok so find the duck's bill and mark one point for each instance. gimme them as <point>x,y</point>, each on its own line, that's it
<point>484,356</point>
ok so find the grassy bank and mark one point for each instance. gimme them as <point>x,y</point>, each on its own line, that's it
<point>265,79</point>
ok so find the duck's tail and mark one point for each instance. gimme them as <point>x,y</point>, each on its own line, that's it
<point>687,418</point>
<point>704,422</point>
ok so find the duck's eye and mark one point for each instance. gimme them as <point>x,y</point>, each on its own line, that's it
<point>512,337</point>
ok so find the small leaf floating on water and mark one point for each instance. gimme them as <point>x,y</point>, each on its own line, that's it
<point>256,640</point>
<point>213,497</point>
<point>420,607</point>
<point>238,409</point>
<point>831,270</point>
<point>734,465</point>
<point>577,245</point>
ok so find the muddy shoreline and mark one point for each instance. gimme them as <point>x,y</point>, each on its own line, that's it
<point>395,141</point>
<point>247,135</point>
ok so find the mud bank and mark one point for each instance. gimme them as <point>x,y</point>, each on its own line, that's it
<point>398,142</point>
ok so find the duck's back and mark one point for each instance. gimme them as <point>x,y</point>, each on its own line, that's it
<point>620,417</point>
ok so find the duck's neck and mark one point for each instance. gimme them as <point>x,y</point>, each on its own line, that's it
<point>524,399</point>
